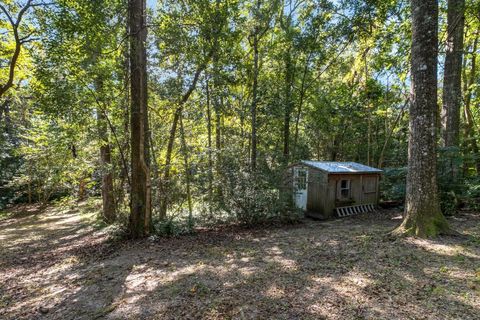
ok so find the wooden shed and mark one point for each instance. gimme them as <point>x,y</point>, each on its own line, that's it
<point>326,189</point>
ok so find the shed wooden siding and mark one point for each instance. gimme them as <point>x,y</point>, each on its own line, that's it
<point>322,190</point>
<point>317,185</point>
<point>357,183</point>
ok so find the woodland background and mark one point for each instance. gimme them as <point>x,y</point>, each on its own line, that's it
<point>237,90</point>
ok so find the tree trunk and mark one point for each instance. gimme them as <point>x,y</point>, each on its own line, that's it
<point>124,183</point>
<point>302,93</point>
<point>187,172</point>
<point>471,141</point>
<point>108,197</point>
<point>289,78</point>
<point>164,196</point>
<point>253,109</point>
<point>423,217</point>
<point>452,92</point>
<point>209,146</point>
<point>171,140</point>
<point>390,133</point>
<point>140,215</point>
<point>217,101</point>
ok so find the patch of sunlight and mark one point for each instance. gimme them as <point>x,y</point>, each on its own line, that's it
<point>275,250</point>
<point>359,280</point>
<point>274,292</point>
<point>247,271</point>
<point>450,250</point>
<point>146,278</point>
<point>280,262</point>
<point>245,259</point>
<point>350,284</point>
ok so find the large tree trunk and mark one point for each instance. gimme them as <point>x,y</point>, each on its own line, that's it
<point>471,141</point>
<point>452,92</point>
<point>140,215</point>
<point>423,217</point>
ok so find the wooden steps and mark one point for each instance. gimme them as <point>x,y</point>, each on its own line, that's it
<point>351,210</point>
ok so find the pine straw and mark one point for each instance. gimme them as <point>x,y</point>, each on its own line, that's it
<point>55,266</point>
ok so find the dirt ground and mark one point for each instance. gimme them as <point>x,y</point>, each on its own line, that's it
<point>55,265</point>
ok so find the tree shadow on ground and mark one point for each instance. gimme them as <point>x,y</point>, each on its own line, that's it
<point>285,274</point>
<point>341,269</point>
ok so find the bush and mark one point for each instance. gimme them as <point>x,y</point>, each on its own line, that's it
<point>258,198</point>
<point>173,226</point>
<point>393,184</point>
<point>471,197</point>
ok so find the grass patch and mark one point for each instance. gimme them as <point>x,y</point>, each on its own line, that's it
<point>5,215</point>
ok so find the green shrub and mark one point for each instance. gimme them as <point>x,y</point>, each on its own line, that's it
<point>393,184</point>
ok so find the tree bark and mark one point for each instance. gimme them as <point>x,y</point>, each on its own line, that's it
<point>106,170</point>
<point>452,91</point>
<point>124,183</point>
<point>140,215</point>
<point>289,78</point>
<point>471,141</point>
<point>217,102</point>
<point>423,217</point>
<point>302,93</point>
<point>108,196</point>
<point>187,171</point>
<point>253,109</point>
<point>209,146</point>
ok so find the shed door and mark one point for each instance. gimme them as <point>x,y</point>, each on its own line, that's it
<point>369,190</point>
<point>300,178</point>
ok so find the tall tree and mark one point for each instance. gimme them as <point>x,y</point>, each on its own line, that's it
<point>255,35</point>
<point>16,25</point>
<point>422,216</point>
<point>452,80</point>
<point>140,215</point>
<point>469,128</point>
<point>108,196</point>
<point>287,28</point>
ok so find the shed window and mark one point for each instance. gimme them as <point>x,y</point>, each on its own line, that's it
<point>344,188</point>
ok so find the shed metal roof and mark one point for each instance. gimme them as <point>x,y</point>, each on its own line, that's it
<point>341,167</point>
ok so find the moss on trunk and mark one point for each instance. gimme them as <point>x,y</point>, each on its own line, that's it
<point>423,217</point>
<point>424,225</point>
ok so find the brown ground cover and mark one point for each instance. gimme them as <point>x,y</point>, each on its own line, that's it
<point>55,265</point>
